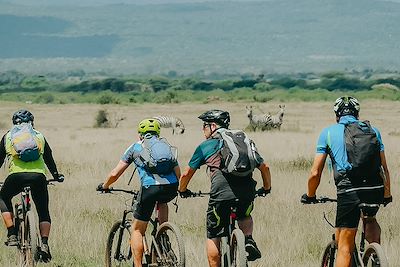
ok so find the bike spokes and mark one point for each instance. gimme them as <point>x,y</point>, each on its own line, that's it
<point>170,251</point>
<point>118,250</point>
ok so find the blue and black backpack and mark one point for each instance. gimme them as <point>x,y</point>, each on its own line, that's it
<point>363,153</point>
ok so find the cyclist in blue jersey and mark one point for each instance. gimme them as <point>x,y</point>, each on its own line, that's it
<point>225,189</point>
<point>349,194</point>
<point>156,189</point>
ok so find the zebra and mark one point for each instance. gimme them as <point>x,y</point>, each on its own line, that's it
<point>261,121</point>
<point>171,122</point>
<point>276,119</point>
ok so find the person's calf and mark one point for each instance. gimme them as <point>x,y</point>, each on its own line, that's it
<point>372,230</point>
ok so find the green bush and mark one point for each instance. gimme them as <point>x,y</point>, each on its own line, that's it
<point>45,98</point>
<point>107,99</point>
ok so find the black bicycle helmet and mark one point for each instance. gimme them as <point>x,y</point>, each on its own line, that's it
<point>346,105</point>
<point>217,116</point>
<point>21,116</point>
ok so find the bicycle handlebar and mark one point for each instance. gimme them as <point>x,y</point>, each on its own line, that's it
<point>199,194</point>
<point>47,181</point>
<point>110,190</point>
<point>203,194</point>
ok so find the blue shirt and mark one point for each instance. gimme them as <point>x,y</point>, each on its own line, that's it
<point>146,178</point>
<point>331,141</point>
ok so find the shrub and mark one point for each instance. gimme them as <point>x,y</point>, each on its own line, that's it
<point>45,98</point>
<point>102,120</point>
<point>107,99</point>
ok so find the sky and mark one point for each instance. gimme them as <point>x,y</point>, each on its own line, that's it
<point>103,2</point>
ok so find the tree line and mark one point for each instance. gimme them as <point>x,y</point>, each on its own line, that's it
<point>79,81</point>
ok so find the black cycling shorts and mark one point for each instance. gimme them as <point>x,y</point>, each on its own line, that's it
<point>348,212</point>
<point>16,182</point>
<point>148,197</point>
<point>218,215</point>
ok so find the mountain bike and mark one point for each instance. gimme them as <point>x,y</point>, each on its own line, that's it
<point>371,255</point>
<point>165,246</point>
<point>232,246</point>
<point>29,240</point>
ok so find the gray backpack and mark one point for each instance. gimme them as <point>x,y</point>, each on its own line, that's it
<point>24,142</point>
<point>157,156</point>
<point>237,152</point>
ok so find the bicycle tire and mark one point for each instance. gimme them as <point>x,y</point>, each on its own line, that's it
<point>21,243</point>
<point>170,242</point>
<point>30,241</point>
<point>374,256</point>
<point>237,249</point>
<point>124,257</point>
<point>329,256</point>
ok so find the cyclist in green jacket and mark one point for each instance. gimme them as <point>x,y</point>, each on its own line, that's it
<point>32,173</point>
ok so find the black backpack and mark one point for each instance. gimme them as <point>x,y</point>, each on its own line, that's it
<point>237,153</point>
<point>363,153</point>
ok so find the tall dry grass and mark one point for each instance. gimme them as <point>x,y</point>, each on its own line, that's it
<point>288,233</point>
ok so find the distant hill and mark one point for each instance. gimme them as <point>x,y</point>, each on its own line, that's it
<point>279,36</point>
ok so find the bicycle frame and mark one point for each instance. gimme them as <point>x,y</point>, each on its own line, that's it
<point>358,254</point>
<point>126,225</point>
<point>226,241</point>
<point>21,210</point>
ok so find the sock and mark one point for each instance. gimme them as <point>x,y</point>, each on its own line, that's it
<point>11,231</point>
<point>45,240</point>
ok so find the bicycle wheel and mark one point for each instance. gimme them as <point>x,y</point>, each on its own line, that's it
<point>374,256</point>
<point>237,249</point>
<point>118,249</point>
<point>171,247</point>
<point>329,256</point>
<point>21,241</point>
<point>29,241</point>
<point>33,235</point>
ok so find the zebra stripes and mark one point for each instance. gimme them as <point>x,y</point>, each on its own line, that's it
<point>171,122</point>
<point>266,121</point>
<point>260,121</point>
<point>277,119</point>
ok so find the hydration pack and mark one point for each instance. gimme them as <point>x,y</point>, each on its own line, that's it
<point>237,152</point>
<point>24,142</point>
<point>157,155</point>
<point>363,153</point>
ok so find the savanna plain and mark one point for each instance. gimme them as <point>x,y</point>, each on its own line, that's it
<point>288,233</point>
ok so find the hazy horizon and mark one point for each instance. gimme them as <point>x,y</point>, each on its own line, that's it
<point>111,2</point>
<point>213,36</point>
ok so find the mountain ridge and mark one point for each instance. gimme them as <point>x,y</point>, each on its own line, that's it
<point>221,36</point>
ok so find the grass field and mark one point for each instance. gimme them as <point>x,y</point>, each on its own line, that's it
<point>288,233</point>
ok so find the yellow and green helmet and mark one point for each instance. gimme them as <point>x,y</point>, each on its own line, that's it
<point>149,126</point>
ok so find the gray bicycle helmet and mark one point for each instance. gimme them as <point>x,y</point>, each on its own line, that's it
<point>21,116</point>
<point>217,116</point>
<point>346,105</point>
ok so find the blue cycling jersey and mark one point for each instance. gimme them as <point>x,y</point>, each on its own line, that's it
<point>146,178</point>
<point>331,141</point>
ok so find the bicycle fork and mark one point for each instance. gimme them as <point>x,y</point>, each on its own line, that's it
<point>123,225</point>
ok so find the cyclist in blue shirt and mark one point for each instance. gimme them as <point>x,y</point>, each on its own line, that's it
<point>349,194</point>
<point>224,189</point>
<point>156,189</point>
